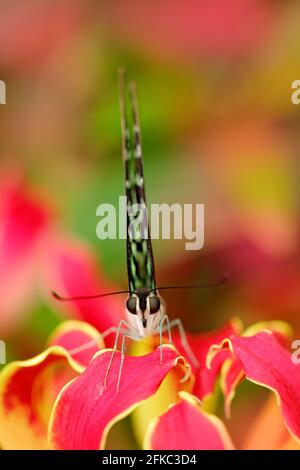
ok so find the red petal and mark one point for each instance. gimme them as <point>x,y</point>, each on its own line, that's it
<point>200,345</point>
<point>22,225</point>
<point>266,362</point>
<point>73,273</point>
<point>232,369</point>
<point>186,426</point>
<point>232,375</point>
<point>27,393</point>
<point>84,412</point>
<point>80,339</point>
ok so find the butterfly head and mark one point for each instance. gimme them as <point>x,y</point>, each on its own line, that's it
<point>144,309</point>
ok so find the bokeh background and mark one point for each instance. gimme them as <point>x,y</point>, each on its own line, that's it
<point>214,81</point>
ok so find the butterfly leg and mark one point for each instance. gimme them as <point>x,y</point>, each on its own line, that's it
<point>164,319</point>
<point>83,347</point>
<point>118,331</point>
<point>94,342</point>
<point>184,341</point>
<point>123,349</point>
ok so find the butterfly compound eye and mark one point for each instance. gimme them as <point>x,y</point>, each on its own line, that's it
<point>154,304</point>
<point>131,305</point>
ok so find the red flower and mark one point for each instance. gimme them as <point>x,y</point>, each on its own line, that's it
<point>35,255</point>
<point>23,226</point>
<point>60,393</point>
<point>69,267</point>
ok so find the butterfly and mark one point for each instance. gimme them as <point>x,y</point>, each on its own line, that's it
<point>146,312</point>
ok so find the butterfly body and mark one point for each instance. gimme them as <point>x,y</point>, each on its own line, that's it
<point>144,307</point>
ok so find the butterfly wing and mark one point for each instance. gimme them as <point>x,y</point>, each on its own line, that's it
<point>140,263</point>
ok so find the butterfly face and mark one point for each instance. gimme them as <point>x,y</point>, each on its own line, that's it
<point>144,310</point>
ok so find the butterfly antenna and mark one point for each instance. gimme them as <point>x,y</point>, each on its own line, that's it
<point>218,283</point>
<point>86,297</point>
